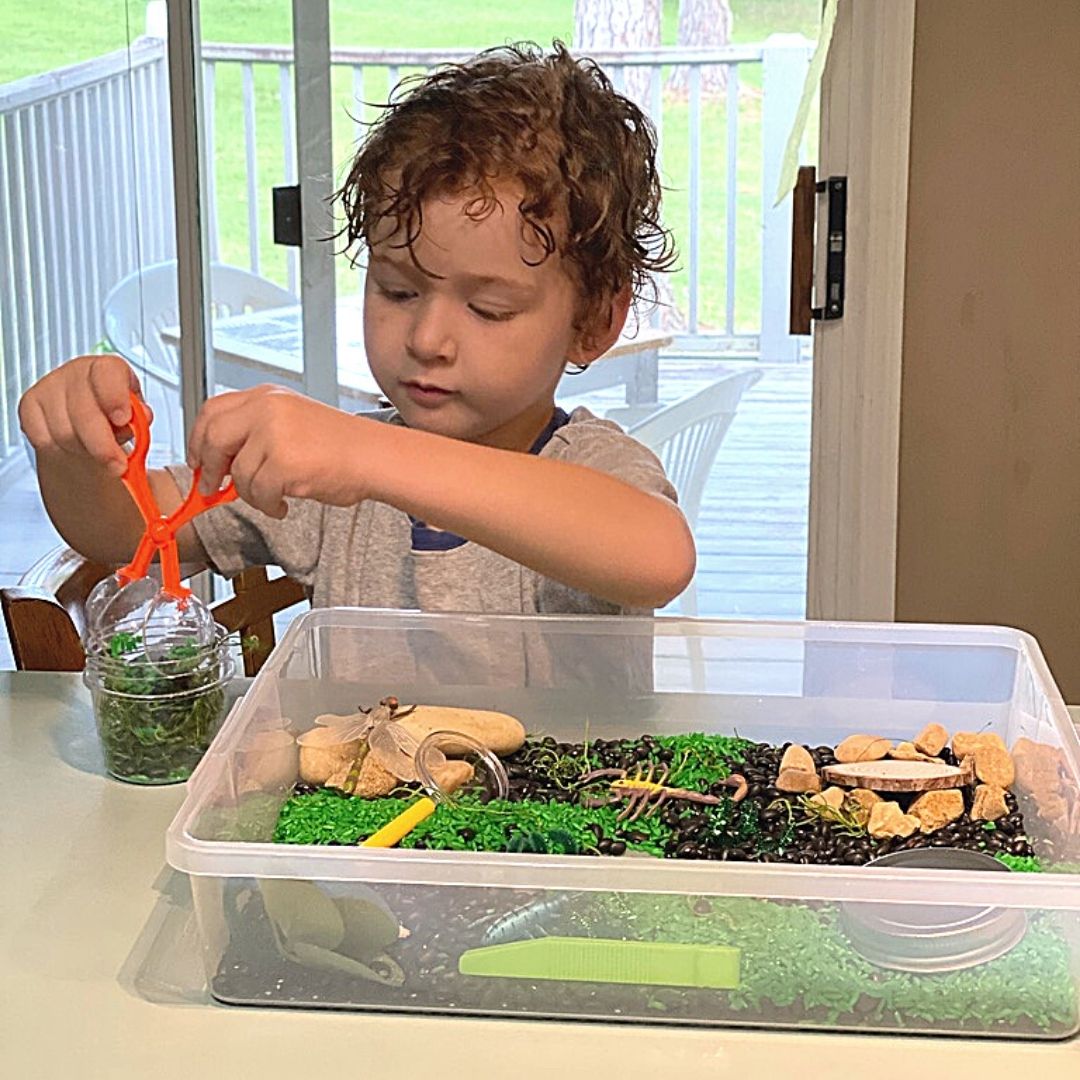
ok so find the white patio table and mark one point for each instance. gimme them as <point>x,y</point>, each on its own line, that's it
<point>266,346</point>
<point>100,974</point>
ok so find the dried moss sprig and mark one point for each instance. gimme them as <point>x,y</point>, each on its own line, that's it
<point>849,819</point>
<point>156,717</point>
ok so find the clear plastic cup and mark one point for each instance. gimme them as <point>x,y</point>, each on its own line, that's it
<point>142,609</point>
<point>155,718</point>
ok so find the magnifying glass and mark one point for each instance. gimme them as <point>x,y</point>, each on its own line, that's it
<point>448,763</point>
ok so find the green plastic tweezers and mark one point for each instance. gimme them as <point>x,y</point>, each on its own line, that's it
<point>602,960</point>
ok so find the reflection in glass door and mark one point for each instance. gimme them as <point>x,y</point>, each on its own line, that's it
<point>87,235</point>
<point>266,128</point>
<point>718,345</point>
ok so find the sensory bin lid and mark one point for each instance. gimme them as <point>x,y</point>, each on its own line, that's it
<point>211,780</point>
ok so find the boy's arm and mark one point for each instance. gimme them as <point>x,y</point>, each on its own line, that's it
<point>578,525</point>
<point>582,527</point>
<point>93,512</point>
<point>74,418</point>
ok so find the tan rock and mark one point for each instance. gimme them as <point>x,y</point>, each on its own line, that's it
<point>1044,754</point>
<point>267,761</point>
<point>797,757</point>
<point>887,819</point>
<point>1025,749</point>
<point>994,766</point>
<point>499,732</point>
<point>906,751</point>
<point>967,742</point>
<point>858,748</point>
<point>932,739</point>
<point>989,803</point>
<point>935,809</point>
<point>832,797</point>
<point>1036,765</point>
<point>373,782</point>
<point>798,781</point>
<point>861,801</point>
<point>451,775</point>
<point>323,754</point>
<point>964,743</point>
<point>1052,807</point>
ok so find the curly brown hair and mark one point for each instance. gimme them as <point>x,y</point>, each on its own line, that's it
<point>584,154</point>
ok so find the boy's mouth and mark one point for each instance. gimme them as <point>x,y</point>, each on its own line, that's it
<point>426,393</point>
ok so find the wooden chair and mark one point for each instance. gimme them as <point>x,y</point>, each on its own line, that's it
<point>45,612</point>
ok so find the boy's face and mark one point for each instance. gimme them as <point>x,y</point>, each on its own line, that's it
<point>475,353</point>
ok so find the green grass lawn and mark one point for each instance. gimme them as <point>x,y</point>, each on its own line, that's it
<point>40,37</point>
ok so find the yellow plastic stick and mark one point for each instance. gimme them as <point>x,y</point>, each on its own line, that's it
<point>402,825</point>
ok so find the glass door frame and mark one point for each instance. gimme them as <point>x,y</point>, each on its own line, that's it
<point>315,175</point>
<point>314,157</point>
<point>855,415</point>
<point>856,402</point>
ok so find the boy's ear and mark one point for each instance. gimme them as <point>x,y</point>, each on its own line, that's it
<point>605,331</point>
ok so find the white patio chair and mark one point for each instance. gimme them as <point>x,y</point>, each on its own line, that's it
<point>686,437</point>
<point>139,307</point>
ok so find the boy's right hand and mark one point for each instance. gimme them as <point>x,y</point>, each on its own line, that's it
<point>83,407</point>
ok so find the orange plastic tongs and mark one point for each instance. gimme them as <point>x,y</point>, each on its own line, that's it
<point>160,535</point>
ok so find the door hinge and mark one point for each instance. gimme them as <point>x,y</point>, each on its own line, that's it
<point>807,189</point>
<point>288,230</point>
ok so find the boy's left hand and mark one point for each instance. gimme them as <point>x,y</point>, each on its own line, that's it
<point>274,443</point>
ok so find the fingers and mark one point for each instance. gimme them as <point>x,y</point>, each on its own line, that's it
<point>257,481</point>
<point>249,435</point>
<point>33,421</point>
<point>111,382</point>
<point>92,432</point>
<point>224,424</point>
<point>77,407</point>
<point>100,419</point>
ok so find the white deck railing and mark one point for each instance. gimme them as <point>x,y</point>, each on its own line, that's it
<point>784,59</point>
<point>86,189</point>
<point>86,197</point>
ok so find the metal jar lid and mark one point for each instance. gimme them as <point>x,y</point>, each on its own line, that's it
<point>932,937</point>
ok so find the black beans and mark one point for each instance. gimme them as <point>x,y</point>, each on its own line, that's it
<point>767,826</point>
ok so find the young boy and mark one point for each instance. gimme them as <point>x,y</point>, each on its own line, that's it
<point>509,209</point>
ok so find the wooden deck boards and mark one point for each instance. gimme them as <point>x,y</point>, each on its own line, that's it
<point>751,533</point>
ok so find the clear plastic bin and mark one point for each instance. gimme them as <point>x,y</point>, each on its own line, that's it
<point>642,939</point>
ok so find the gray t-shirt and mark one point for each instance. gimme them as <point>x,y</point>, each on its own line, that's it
<point>373,555</point>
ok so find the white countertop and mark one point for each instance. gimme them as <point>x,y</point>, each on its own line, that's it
<point>100,977</point>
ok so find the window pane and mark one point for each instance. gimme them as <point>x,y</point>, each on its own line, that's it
<point>86,219</point>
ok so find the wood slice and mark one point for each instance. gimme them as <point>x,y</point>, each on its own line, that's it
<point>893,775</point>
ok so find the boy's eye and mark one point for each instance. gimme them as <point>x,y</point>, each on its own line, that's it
<point>492,316</point>
<point>396,295</point>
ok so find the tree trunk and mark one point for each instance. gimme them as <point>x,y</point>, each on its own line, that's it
<point>703,22</point>
<point>628,24</point>
<point>620,24</point>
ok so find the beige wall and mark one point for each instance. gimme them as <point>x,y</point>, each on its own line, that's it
<point>989,517</point>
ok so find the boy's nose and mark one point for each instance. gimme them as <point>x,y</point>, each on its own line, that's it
<point>430,338</point>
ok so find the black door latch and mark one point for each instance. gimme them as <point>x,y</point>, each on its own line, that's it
<point>836,250</point>
<point>287,222</point>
